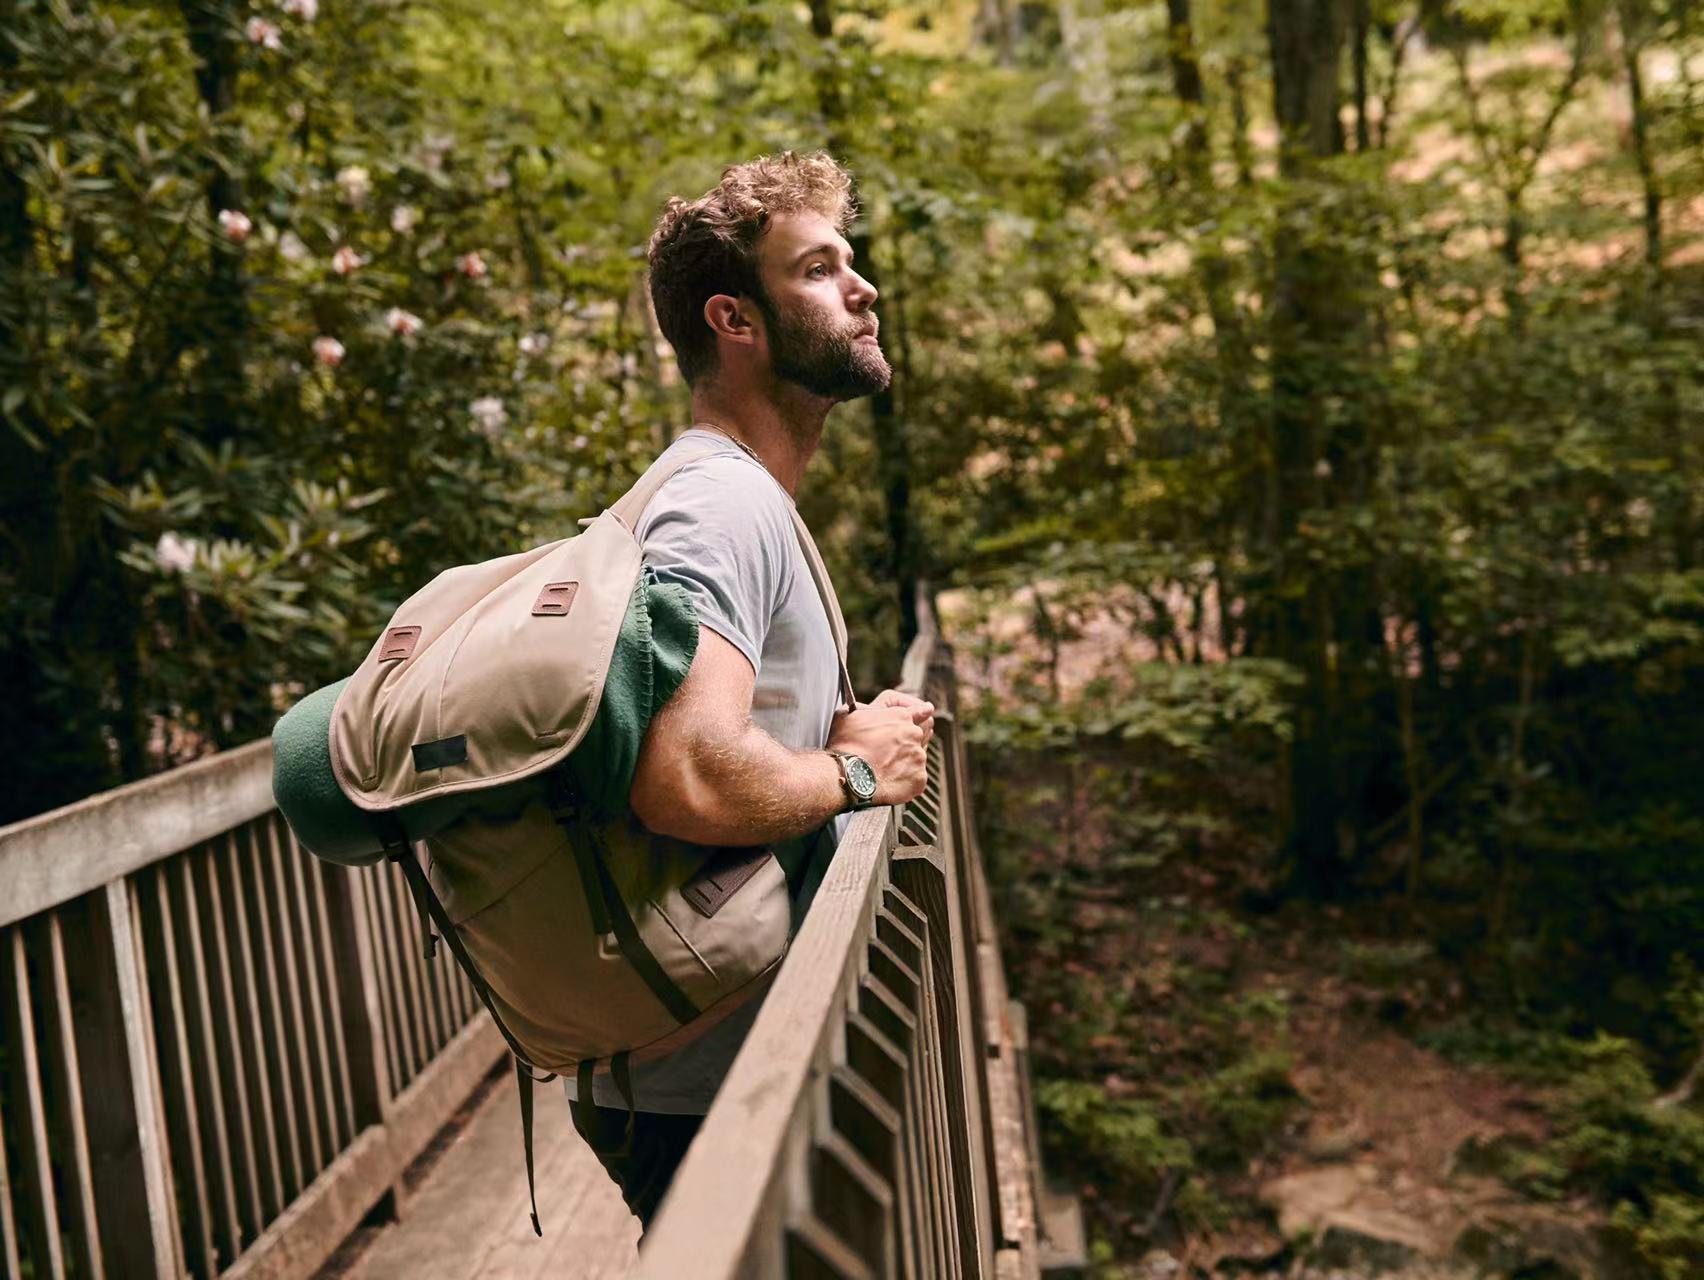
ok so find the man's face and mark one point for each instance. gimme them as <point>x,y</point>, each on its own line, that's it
<point>819,317</point>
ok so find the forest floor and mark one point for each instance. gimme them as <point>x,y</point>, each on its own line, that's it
<point>1323,1139</point>
<point>1235,1088</point>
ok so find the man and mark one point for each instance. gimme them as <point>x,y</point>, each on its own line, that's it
<point>755,288</point>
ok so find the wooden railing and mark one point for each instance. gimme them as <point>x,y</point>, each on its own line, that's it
<point>877,1120</point>
<point>218,1054</point>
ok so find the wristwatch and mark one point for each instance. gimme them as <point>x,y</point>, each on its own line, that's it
<point>857,780</point>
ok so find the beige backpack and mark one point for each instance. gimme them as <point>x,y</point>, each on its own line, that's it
<point>591,941</point>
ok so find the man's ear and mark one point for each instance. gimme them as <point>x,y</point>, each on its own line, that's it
<point>731,318</point>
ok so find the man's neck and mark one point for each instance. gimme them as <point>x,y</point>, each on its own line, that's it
<point>782,428</point>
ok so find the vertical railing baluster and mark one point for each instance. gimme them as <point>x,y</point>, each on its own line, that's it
<point>334,999</point>
<point>89,1260</point>
<point>372,891</point>
<point>227,1183</point>
<point>298,1020</point>
<point>139,1202</point>
<point>278,1054</point>
<point>9,1251</point>
<point>364,957</point>
<point>415,964</point>
<point>224,979</point>
<point>401,929</point>
<point>202,1218</point>
<point>257,1056</point>
<point>316,1005</point>
<point>44,1223</point>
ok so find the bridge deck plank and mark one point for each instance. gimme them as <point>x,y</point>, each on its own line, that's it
<point>469,1215</point>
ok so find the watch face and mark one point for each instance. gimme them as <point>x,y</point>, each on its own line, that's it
<point>862,778</point>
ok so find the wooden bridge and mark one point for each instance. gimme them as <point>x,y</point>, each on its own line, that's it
<point>221,1057</point>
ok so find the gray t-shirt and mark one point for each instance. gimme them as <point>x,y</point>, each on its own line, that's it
<point>722,527</point>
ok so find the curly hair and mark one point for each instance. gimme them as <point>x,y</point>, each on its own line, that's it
<point>707,246</point>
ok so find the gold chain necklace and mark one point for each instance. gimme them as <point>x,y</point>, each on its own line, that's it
<point>744,447</point>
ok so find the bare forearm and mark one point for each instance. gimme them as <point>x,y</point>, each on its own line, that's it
<point>743,789</point>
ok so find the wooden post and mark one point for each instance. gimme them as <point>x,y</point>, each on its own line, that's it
<point>146,1216</point>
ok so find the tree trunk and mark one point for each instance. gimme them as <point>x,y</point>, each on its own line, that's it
<point>1632,45</point>
<point>1317,325</point>
<point>1235,70</point>
<point>1358,51</point>
<point>1306,38</point>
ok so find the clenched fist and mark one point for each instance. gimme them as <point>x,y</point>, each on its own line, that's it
<point>891,734</point>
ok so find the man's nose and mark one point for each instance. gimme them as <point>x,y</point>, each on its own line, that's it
<point>863,295</point>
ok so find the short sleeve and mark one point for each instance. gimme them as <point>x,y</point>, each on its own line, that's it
<point>721,529</point>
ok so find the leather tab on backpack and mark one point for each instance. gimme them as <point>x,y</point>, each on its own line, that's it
<point>722,877</point>
<point>435,755</point>
<point>398,643</point>
<point>555,600</point>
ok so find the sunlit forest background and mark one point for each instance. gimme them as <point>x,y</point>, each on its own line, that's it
<point>1299,414</point>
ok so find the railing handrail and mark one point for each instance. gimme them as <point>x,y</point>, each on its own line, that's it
<point>737,1154</point>
<point>266,1045</point>
<point>744,1198</point>
<point>50,859</point>
<point>902,919</point>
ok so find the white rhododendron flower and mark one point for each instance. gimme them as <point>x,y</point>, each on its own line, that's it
<point>354,182</point>
<point>534,344</point>
<point>471,265</point>
<point>346,262</point>
<point>306,10</point>
<point>175,554</point>
<point>404,218</point>
<point>328,351</point>
<point>488,414</point>
<point>235,224</point>
<point>405,324</point>
<point>433,148</point>
<point>291,248</point>
<point>266,34</point>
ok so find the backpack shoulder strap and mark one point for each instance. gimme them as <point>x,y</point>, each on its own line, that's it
<point>631,506</point>
<point>830,603</point>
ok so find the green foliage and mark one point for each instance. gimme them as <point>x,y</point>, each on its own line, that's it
<point>1124,1137</point>
<point>1244,1106</point>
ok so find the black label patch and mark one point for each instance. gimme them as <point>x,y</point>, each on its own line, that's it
<point>435,755</point>
<point>723,876</point>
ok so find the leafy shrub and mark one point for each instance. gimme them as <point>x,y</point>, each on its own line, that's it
<point>1125,1137</point>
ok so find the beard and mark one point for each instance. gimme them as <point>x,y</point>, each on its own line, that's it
<point>810,350</point>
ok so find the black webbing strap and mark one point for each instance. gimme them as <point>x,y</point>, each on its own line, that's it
<point>583,838</point>
<point>432,912</point>
<point>523,1087</point>
<point>588,1123</point>
<point>561,800</point>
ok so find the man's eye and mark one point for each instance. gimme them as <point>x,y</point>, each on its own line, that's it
<point>819,268</point>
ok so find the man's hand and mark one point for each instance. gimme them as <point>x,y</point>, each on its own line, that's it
<point>891,734</point>
<point>923,712</point>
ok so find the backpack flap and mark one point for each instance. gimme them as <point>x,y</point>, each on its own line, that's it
<point>489,674</point>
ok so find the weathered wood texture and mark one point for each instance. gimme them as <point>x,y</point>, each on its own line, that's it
<point>875,1123</point>
<point>218,1056</point>
<point>467,1218</point>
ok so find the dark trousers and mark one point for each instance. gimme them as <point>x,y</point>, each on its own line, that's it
<point>643,1168</point>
